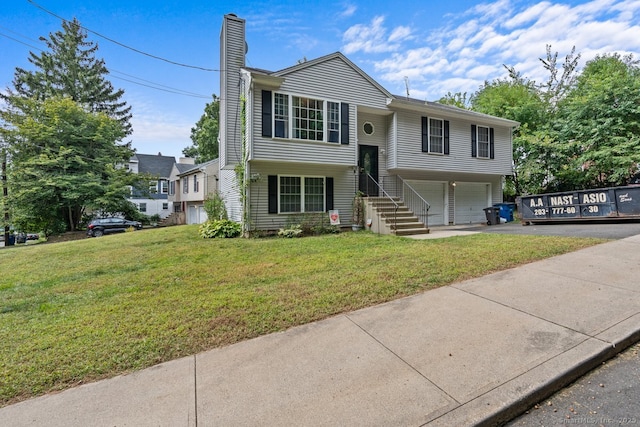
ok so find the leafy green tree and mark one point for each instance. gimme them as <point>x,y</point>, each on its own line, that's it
<point>518,99</point>
<point>205,134</point>
<point>64,160</point>
<point>69,68</point>
<point>458,99</point>
<point>600,122</point>
<point>63,124</point>
<point>541,158</point>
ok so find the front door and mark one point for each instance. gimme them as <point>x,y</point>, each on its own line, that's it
<point>368,164</point>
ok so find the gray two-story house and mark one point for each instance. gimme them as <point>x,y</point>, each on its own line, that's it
<point>315,133</point>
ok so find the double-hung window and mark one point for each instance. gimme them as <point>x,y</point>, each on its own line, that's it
<point>185,185</point>
<point>436,136</point>
<point>483,142</point>
<point>164,187</point>
<point>196,184</point>
<point>301,194</point>
<point>281,115</point>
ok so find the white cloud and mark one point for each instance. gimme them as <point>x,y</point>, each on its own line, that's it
<point>349,10</point>
<point>372,38</point>
<point>475,44</point>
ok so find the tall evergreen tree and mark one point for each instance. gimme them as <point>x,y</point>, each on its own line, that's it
<point>70,68</point>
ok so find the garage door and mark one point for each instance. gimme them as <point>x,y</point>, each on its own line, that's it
<point>433,193</point>
<point>470,200</point>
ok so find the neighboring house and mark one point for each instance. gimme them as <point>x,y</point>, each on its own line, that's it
<point>189,187</point>
<point>158,166</point>
<point>319,131</point>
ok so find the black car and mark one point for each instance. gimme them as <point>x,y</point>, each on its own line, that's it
<point>101,226</point>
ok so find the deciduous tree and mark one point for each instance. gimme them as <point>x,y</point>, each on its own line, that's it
<point>205,134</point>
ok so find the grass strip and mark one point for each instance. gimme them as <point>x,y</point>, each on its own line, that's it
<point>76,312</point>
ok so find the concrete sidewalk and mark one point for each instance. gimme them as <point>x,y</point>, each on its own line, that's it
<point>474,353</point>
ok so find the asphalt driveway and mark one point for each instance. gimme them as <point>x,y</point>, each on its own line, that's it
<point>600,229</point>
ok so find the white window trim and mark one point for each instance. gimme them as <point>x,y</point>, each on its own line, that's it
<point>439,153</point>
<point>302,178</point>
<point>290,118</point>
<point>488,156</point>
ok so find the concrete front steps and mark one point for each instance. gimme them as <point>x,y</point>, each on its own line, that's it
<point>406,223</point>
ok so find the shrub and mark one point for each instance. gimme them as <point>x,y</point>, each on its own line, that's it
<point>214,207</point>
<point>291,231</point>
<point>222,228</point>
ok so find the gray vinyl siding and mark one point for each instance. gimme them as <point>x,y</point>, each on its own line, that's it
<point>260,219</point>
<point>334,79</point>
<point>392,157</point>
<point>230,194</point>
<point>378,139</point>
<point>410,155</point>
<point>231,61</point>
<point>264,148</point>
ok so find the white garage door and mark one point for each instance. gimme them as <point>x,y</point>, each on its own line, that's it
<point>470,200</point>
<point>433,193</point>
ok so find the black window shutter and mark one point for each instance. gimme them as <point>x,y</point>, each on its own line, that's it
<point>344,123</point>
<point>446,137</point>
<point>266,113</point>
<point>474,148</point>
<point>425,135</point>
<point>273,194</point>
<point>329,193</point>
<point>492,154</point>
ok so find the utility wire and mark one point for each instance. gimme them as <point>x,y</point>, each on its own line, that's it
<point>151,84</point>
<point>122,44</point>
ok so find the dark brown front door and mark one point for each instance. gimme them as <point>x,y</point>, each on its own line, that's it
<point>368,164</point>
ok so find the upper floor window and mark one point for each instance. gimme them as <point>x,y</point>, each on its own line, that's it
<point>196,184</point>
<point>304,118</point>
<point>172,187</point>
<point>164,187</point>
<point>153,186</point>
<point>185,185</point>
<point>435,135</point>
<point>482,142</point>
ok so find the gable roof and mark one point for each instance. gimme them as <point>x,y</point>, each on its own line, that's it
<point>156,165</point>
<point>402,102</point>
<point>276,76</point>
<point>189,169</point>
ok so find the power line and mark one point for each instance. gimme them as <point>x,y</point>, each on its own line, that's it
<point>152,85</point>
<point>122,44</point>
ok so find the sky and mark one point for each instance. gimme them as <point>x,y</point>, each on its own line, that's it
<point>165,54</point>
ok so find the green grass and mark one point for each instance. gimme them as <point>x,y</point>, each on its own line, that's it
<point>79,311</point>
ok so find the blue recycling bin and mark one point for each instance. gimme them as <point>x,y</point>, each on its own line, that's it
<point>506,210</point>
<point>12,240</point>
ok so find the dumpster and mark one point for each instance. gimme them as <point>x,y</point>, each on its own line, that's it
<point>493,215</point>
<point>506,210</point>
<point>619,203</point>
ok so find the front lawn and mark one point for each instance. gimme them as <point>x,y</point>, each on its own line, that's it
<point>79,311</point>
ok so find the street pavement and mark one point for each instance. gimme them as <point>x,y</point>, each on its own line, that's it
<point>607,396</point>
<point>478,352</point>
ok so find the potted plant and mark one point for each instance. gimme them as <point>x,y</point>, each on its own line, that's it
<point>358,211</point>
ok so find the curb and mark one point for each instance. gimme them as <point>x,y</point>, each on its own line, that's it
<point>510,400</point>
